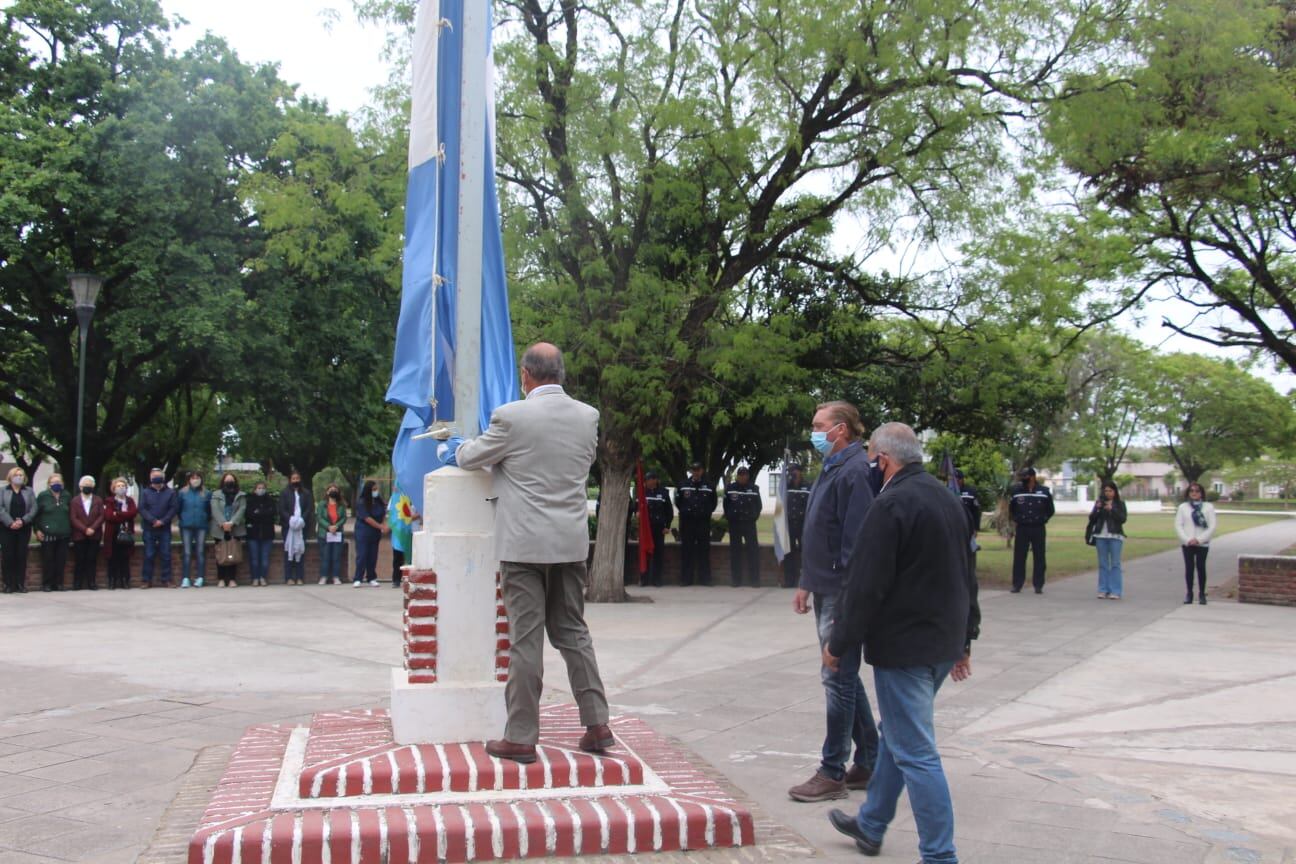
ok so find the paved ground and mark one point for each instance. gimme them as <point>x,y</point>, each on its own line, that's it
<point>1091,731</point>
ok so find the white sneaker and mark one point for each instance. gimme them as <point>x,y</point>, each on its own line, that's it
<point>355,584</point>
<point>198,583</point>
<point>322,580</point>
<point>373,583</point>
<point>184,583</point>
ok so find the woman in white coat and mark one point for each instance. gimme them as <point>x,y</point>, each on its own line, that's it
<point>1195,525</point>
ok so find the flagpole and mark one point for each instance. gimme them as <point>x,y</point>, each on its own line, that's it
<point>472,163</point>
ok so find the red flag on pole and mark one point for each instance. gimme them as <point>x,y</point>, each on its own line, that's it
<point>645,524</point>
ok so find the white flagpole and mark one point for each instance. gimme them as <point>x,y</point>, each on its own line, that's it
<point>472,164</point>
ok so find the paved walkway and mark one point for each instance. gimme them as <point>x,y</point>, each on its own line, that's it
<point>1091,731</point>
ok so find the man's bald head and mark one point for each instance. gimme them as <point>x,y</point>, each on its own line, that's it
<point>543,364</point>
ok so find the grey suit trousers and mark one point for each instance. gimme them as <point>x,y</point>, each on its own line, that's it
<point>550,598</point>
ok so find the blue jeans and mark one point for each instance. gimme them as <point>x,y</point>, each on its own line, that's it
<point>849,717</point>
<point>193,543</point>
<point>366,544</point>
<point>259,557</point>
<point>1110,580</point>
<point>294,569</point>
<point>908,760</point>
<point>330,559</point>
<point>157,544</point>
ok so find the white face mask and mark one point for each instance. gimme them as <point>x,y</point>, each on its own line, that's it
<point>18,481</point>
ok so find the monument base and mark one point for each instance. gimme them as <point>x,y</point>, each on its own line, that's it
<point>445,712</point>
<point>342,790</point>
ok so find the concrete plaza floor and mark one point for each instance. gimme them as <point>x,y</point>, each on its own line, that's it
<point>1091,731</point>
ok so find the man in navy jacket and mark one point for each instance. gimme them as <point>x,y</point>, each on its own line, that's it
<point>912,603</point>
<point>158,506</point>
<point>834,513</point>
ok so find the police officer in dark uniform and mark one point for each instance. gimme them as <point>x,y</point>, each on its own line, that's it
<point>742,507</point>
<point>660,516</point>
<point>695,499</point>
<point>971,506</point>
<point>1031,507</point>
<point>797,495</point>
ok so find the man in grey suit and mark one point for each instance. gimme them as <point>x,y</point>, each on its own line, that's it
<point>541,448</point>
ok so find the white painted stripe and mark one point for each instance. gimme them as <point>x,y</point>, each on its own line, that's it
<point>710,824</point>
<point>683,822</point>
<point>237,857</point>
<point>548,768</point>
<point>551,831</point>
<point>470,835</point>
<point>598,772</point>
<point>420,774</point>
<point>605,830</point>
<point>209,847</point>
<point>395,770</point>
<point>297,839</point>
<point>630,823</point>
<point>384,849</point>
<point>523,837</point>
<point>317,785</point>
<point>735,825</point>
<point>656,825</point>
<point>411,831</point>
<point>578,833</point>
<point>472,765</point>
<point>439,826</point>
<point>497,832</point>
<point>326,853</point>
<point>355,837</point>
<point>341,781</point>
<point>366,774</point>
<point>573,776</point>
<point>443,759</point>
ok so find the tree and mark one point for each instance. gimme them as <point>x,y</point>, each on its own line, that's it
<point>1189,151</point>
<point>1212,412</point>
<point>1109,378</point>
<point>120,159</point>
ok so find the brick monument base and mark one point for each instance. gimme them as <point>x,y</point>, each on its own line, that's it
<point>343,791</point>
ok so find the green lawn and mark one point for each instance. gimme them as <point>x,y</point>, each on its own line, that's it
<point>1146,534</point>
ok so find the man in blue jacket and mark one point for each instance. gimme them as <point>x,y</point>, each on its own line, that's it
<point>158,506</point>
<point>834,513</point>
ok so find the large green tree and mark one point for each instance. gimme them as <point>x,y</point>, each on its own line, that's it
<point>1109,382</point>
<point>1187,144</point>
<point>119,158</point>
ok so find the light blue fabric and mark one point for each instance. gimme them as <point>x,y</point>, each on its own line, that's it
<point>423,363</point>
<point>1110,579</point>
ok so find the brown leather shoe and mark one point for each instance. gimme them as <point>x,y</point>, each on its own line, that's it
<point>597,738</point>
<point>501,749</point>
<point>818,788</point>
<point>857,777</point>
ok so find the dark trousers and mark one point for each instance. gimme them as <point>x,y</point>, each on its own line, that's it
<point>744,554</point>
<point>1028,537</point>
<point>13,557</point>
<point>119,566</point>
<point>695,550</point>
<point>53,562</point>
<point>792,563</point>
<point>1195,558</point>
<point>398,561</point>
<point>227,573</point>
<point>654,575</point>
<point>85,558</point>
<point>366,545</point>
<point>293,569</point>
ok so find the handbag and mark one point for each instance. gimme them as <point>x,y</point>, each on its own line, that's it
<point>124,536</point>
<point>228,552</point>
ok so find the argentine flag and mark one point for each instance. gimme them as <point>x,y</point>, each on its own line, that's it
<point>423,365</point>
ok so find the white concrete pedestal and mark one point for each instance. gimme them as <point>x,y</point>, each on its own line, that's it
<point>457,543</point>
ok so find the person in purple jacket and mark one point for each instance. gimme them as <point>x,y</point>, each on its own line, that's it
<point>158,506</point>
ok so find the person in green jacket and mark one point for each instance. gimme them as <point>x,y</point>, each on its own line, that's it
<point>331,516</point>
<point>53,523</point>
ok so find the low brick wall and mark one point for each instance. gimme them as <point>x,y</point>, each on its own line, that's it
<point>771,571</point>
<point>1267,579</point>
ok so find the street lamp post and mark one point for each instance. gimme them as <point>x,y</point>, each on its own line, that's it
<point>85,291</point>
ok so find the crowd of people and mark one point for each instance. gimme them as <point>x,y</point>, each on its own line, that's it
<point>239,529</point>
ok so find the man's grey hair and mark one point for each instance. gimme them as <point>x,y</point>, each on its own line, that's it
<point>897,441</point>
<point>544,363</point>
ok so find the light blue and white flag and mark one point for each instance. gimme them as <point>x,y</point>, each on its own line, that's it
<point>423,365</point>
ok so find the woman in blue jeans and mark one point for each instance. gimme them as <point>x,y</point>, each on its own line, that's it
<point>260,515</point>
<point>371,513</point>
<point>331,516</point>
<point>195,516</point>
<point>1106,531</point>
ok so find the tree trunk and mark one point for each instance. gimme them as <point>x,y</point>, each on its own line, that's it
<point>607,575</point>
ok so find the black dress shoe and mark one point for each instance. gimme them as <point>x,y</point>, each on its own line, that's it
<point>1014,591</point>
<point>46,589</point>
<point>1188,600</point>
<point>1039,590</point>
<point>848,826</point>
<point>1202,600</point>
<point>22,589</point>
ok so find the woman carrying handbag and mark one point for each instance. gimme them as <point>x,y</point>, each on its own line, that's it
<point>228,528</point>
<point>119,534</point>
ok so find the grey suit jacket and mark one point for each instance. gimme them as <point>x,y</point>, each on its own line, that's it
<point>541,448</point>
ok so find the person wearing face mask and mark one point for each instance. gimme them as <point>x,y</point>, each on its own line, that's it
<point>120,511</point>
<point>1031,507</point>
<point>195,519</point>
<point>742,507</point>
<point>17,508</point>
<point>53,521</point>
<point>228,522</point>
<point>295,507</point>
<point>1195,524</point>
<point>371,525</point>
<point>835,510</point>
<point>158,507</point>
<point>87,531</point>
<point>260,516</point>
<point>331,518</point>
<point>911,601</point>
<point>695,500</point>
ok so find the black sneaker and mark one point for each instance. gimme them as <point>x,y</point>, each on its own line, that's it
<point>848,826</point>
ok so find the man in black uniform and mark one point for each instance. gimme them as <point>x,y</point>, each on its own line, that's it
<point>660,517</point>
<point>742,507</point>
<point>1030,506</point>
<point>796,498</point>
<point>695,499</point>
<point>972,506</point>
